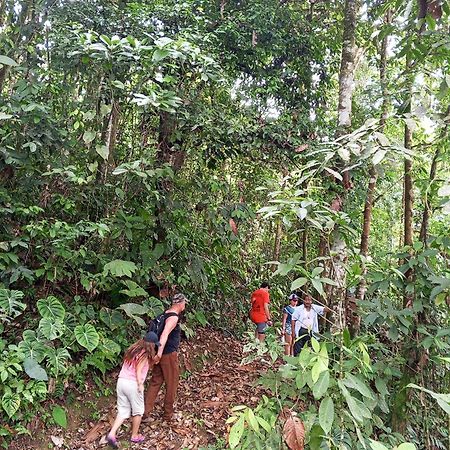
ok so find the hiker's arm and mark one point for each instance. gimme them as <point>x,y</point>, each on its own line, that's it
<point>140,381</point>
<point>266,309</point>
<point>283,323</point>
<point>170,324</point>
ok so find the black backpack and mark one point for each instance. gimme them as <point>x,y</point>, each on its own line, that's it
<point>157,324</point>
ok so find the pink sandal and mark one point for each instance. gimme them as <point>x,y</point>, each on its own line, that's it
<point>138,439</point>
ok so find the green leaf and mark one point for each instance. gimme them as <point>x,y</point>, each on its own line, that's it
<point>264,424</point>
<point>159,54</point>
<point>87,336</point>
<point>133,310</point>
<point>51,328</point>
<point>318,286</point>
<point>377,445</point>
<point>406,446</point>
<point>10,304</point>
<point>321,386</point>
<point>34,370</point>
<point>59,416</point>
<point>7,61</point>
<point>89,136</point>
<point>353,382</point>
<point>236,433</point>
<point>381,386</point>
<point>103,151</point>
<point>316,370</point>
<point>113,319</point>
<point>119,268</point>
<point>57,359</point>
<point>51,308</point>
<point>32,349</point>
<point>357,408</point>
<point>326,414</point>
<point>251,419</point>
<point>4,116</point>
<point>298,283</point>
<point>334,173</point>
<point>443,400</point>
<point>11,403</point>
<point>315,345</point>
<point>444,405</point>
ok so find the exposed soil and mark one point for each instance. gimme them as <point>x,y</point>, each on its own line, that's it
<point>212,383</point>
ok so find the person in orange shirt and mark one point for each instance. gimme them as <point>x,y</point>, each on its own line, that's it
<point>259,313</point>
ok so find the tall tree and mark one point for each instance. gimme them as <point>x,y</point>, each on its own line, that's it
<point>338,249</point>
<point>373,173</point>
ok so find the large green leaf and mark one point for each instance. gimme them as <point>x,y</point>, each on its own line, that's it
<point>7,61</point>
<point>321,385</point>
<point>10,302</point>
<point>134,310</point>
<point>57,359</point>
<point>50,328</point>
<point>298,283</point>
<point>443,400</point>
<point>32,349</point>
<point>11,403</point>
<point>113,319</point>
<point>357,408</point>
<point>236,433</point>
<point>87,336</point>
<point>34,370</point>
<point>51,308</point>
<point>406,446</point>
<point>326,414</point>
<point>353,382</point>
<point>59,416</point>
<point>119,268</point>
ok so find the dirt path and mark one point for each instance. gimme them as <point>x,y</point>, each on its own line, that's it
<point>213,381</point>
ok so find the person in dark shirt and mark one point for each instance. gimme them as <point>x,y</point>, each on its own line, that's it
<point>286,324</point>
<point>166,369</point>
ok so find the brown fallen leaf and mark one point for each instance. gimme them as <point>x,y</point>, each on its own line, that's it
<point>294,433</point>
<point>212,404</point>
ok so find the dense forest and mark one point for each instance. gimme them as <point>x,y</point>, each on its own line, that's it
<point>202,146</point>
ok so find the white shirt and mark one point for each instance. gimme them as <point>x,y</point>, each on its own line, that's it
<point>307,319</point>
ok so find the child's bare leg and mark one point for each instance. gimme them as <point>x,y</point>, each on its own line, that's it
<point>116,425</point>
<point>135,423</point>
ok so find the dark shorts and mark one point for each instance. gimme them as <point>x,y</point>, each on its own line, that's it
<point>261,327</point>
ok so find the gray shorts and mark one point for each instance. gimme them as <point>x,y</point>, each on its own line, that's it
<point>261,327</point>
<point>130,402</point>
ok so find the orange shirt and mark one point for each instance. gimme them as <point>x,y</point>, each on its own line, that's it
<point>259,298</point>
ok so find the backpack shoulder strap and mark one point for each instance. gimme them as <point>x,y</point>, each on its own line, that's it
<point>170,314</point>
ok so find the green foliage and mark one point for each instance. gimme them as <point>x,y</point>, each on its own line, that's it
<point>34,370</point>
<point>59,416</point>
<point>87,336</point>
<point>10,304</point>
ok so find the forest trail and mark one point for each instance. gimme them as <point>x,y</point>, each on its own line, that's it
<point>212,382</point>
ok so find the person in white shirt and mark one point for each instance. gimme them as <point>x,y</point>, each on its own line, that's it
<point>305,322</point>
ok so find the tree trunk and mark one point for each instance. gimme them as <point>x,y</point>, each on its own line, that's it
<point>408,213</point>
<point>373,175</point>
<point>427,201</point>
<point>346,86</point>
<point>433,171</point>
<point>277,244</point>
